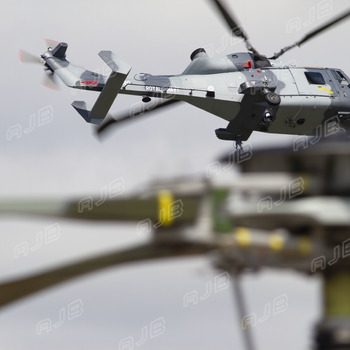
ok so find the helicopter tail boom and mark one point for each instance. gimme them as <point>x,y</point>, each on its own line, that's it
<point>80,78</point>
<point>71,75</point>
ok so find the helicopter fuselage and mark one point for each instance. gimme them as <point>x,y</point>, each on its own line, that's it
<point>248,90</point>
<point>308,97</point>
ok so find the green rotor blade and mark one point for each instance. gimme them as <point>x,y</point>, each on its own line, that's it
<point>15,290</point>
<point>179,210</point>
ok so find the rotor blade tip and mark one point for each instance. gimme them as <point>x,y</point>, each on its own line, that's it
<point>20,56</point>
<point>50,87</point>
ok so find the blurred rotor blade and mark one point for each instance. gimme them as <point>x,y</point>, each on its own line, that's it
<point>27,57</point>
<point>50,43</point>
<point>312,34</point>
<point>50,81</point>
<point>241,306</point>
<point>119,209</point>
<point>298,214</point>
<point>232,23</point>
<point>138,110</point>
<point>15,290</point>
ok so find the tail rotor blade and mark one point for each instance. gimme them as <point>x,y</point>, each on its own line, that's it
<point>50,81</point>
<point>27,57</point>
<point>50,44</point>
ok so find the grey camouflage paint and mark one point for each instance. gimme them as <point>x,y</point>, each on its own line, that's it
<point>232,88</point>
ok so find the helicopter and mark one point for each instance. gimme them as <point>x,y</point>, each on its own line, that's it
<point>248,89</point>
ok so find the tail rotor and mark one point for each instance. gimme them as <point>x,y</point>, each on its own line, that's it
<point>26,57</point>
<point>49,80</point>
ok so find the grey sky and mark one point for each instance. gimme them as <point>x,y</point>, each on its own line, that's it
<point>62,158</point>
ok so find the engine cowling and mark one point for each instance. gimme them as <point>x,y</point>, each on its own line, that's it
<point>240,61</point>
<point>203,64</point>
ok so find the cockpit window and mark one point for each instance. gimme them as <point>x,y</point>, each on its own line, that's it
<point>340,77</point>
<point>315,78</point>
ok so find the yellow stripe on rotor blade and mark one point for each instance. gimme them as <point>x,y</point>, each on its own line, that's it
<point>243,236</point>
<point>165,205</point>
<point>276,241</point>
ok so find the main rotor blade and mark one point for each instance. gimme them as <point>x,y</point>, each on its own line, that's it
<point>125,209</point>
<point>139,110</point>
<point>236,29</point>
<point>312,34</point>
<point>15,290</point>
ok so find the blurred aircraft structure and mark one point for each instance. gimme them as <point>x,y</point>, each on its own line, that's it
<point>314,207</point>
<point>286,209</point>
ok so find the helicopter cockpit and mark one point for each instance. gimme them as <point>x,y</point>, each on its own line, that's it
<point>341,77</point>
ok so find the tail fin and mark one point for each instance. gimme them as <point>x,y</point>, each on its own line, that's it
<point>120,71</point>
<point>60,51</point>
<point>79,78</point>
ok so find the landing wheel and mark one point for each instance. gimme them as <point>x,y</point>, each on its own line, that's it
<point>272,98</point>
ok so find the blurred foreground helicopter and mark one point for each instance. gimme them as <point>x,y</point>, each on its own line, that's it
<point>249,90</point>
<point>288,210</point>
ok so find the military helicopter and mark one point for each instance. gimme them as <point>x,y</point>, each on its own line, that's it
<point>249,90</point>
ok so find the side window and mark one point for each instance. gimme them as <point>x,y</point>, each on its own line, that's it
<point>315,78</point>
<point>340,77</point>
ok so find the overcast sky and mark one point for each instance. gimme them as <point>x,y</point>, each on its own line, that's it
<point>62,158</point>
